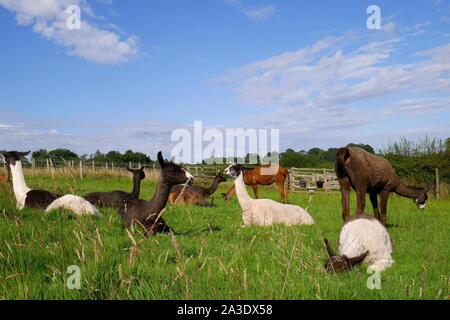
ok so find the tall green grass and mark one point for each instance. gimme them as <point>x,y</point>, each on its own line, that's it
<point>210,256</point>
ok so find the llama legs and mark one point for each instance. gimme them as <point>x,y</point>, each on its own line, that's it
<point>282,191</point>
<point>374,201</point>
<point>384,195</point>
<point>360,200</point>
<point>345,192</point>
<point>255,190</point>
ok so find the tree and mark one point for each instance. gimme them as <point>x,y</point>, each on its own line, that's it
<point>40,154</point>
<point>366,147</point>
<point>60,154</point>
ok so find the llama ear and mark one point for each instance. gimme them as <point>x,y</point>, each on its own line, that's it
<point>328,248</point>
<point>355,260</point>
<point>132,171</point>
<point>23,153</point>
<point>3,153</point>
<point>161,160</point>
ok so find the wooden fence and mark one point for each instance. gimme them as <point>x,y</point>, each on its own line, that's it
<point>311,179</point>
<point>299,179</point>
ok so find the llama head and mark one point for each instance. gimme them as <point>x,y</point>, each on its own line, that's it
<point>138,173</point>
<point>173,173</point>
<point>235,170</point>
<point>339,263</point>
<point>12,156</point>
<point>220,176</point>
<point>420,200</point>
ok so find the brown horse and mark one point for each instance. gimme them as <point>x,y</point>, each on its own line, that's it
<point>264,175</point>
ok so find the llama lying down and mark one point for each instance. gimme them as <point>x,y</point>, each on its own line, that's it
<point>264,212</point>
<point>41,199</point>
<point>363,239</point>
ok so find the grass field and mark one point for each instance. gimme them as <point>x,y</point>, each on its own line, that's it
<point>210,256</point>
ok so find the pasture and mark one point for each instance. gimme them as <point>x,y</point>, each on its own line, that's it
<point>210,256</point>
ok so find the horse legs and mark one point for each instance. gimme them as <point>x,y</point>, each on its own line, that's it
<point>384,195</point>
<point>345,187</point>
<point>255,190</point>
<point>230,193</point>
<point>374,201</point>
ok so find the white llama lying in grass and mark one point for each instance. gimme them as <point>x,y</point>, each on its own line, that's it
<point>41,199</point>
<point>363,239</point>
<point>264,212</point>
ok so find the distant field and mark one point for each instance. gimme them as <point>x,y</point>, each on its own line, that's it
<point>211,256</point>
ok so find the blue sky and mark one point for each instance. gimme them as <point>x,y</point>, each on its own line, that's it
<point>138,69</point>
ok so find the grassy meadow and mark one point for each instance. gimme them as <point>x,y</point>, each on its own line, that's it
<point>210,256</point>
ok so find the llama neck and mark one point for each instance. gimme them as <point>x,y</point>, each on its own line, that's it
<point>159,200</point>
<point>136,187</point>
<point>19,185</point>
<point>407,191</point>
<point>213,187</point>
<point>241,192</point>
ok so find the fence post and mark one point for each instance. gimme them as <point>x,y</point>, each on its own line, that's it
<point>438,189</point>
<point>51,168</point>
<point>33,165</point>
<point>48,165</point>
<point>81,169</point>
<point>129,165</point>
<point>93,166</point>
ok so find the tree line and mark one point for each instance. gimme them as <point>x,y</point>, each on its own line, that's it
<point>111,156</point>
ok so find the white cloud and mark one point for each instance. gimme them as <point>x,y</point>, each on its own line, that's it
<point>255,13</point>
<point>48,18</point>
<point>325,87</point>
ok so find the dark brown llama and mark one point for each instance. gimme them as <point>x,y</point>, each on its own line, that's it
<point>113,199</point>
<point>146,213</point>
<point>264,175</point>
<point>368,173</point>
<point>195,195</point>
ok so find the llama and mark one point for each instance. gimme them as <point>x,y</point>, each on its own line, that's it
<point>264,212</point>
<point>195,195</point>
<point>264,175</point>
<point>114,199</point>
<point>367,173</point>
<point>362,239</point>
<point>147,213</point>
<point>41,199</point>
<point>5,177</point>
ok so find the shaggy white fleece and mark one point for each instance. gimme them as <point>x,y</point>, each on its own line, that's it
<point>73,203</point>
<point>361,235</point>
<point>265,212</point>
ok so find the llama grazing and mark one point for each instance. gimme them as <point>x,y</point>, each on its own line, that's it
<point>264,175</point>
<point>147,213</point>
<point>41,199</point>
<point>195,195</point>
<point>367,173</point>
<point>264,212</point>
<point>114,199</point>
<point>363,239</point>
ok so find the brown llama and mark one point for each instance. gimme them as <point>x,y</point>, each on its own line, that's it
<point>264,175</point>
<point>5,177</point>
<point>195,195</point>
<point>368,173</point>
